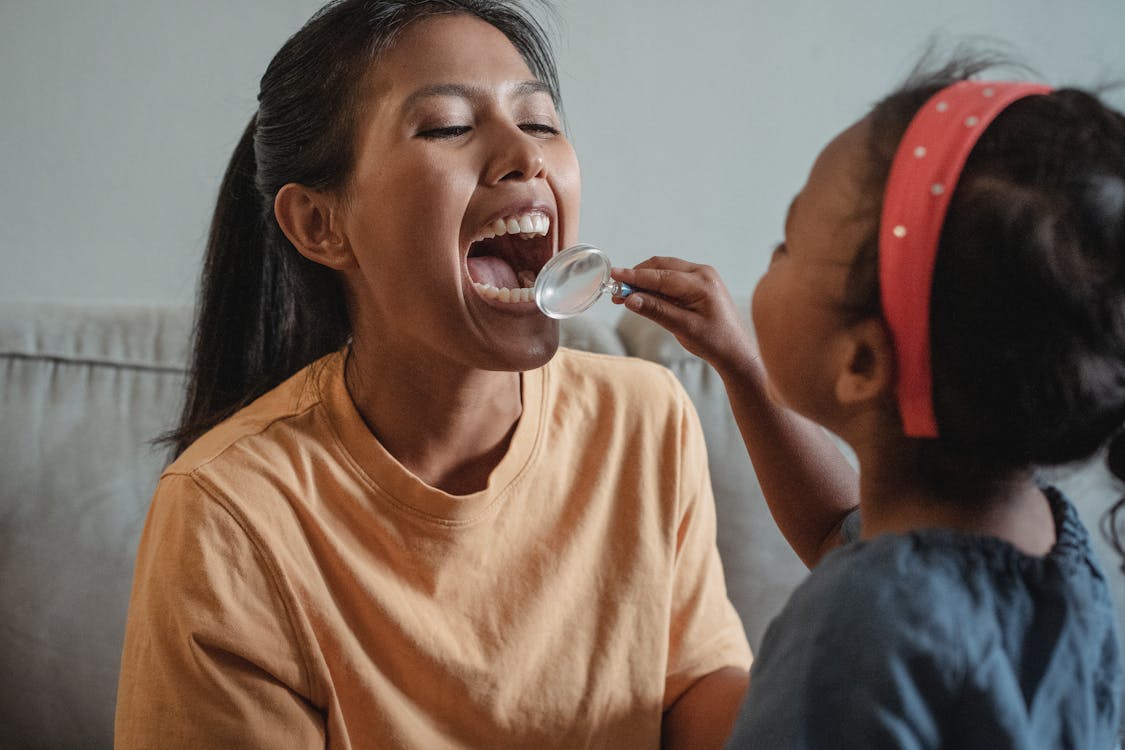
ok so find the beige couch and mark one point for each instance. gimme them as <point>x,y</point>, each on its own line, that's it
<point>84,390</point>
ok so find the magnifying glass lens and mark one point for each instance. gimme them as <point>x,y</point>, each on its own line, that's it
<point>573,280</point>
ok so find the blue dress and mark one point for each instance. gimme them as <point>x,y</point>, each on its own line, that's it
<point>938,639</point>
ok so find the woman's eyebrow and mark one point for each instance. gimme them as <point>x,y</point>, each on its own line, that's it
<point>456,90</point>
<point>531,88</point>
<point>522,89</point>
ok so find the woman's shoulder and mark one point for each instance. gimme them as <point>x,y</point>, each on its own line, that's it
<point>253,469</point>
<point>258,429</point>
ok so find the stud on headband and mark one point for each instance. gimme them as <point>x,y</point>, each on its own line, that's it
<point>924,173</point>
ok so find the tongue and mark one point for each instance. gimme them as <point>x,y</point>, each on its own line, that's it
<point>488,269</point>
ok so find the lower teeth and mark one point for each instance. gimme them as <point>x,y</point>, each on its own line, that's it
<point>525,294</point>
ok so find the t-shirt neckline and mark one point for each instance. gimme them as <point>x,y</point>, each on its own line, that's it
<point>401,488</point>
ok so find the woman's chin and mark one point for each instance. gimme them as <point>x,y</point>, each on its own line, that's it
<point>537,344</point>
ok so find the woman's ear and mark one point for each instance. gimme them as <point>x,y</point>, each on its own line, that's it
<point>310,219</point>
<point>868,369</point>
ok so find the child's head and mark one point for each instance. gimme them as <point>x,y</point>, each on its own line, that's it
<point>1026,323</point>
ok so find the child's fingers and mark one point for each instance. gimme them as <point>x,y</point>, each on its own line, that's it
<point>686,283</point>
<point>660,311</point>
<point>660,281</point>
<point>653,269</point>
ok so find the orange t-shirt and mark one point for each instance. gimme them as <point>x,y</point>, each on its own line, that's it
<point>297,587</point>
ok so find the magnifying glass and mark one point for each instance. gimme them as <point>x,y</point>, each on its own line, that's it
<point>573,280</point>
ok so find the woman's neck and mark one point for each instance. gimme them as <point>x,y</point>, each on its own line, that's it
<point>895,499</point>
<point>450,426</point>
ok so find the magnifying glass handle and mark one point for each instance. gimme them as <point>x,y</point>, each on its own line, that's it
<point>618,288</point>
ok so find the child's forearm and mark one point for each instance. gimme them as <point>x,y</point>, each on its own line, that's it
<point>807,482</point>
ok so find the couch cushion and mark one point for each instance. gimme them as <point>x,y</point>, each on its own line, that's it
<point>83,391</point>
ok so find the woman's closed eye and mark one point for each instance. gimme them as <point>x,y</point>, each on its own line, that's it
<point>444,132</point>
<point>448,132</point>
<point>544,129</point>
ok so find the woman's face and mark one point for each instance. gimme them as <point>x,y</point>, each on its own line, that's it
<point>463,179</point>
<point>797,305</point>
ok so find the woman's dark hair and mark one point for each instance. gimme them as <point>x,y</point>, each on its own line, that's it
<point>1027,315</point>
<point>263,310</point>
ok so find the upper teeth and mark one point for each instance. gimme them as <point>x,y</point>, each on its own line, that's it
<point>525,225</point>
<point>532,224</point>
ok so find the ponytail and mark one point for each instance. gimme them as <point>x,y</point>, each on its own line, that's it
<point>263,310</point>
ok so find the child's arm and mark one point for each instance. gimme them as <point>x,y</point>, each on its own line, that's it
<point>808,484</point>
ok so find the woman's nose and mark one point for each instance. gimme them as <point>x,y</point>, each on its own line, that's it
<point>517,156</point>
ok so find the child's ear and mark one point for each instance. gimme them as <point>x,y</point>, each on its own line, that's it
<point>869,363</point>
<point>310,219</point>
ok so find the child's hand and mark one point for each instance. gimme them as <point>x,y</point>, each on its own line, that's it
<point>693,303</point>
<point>809,485</point>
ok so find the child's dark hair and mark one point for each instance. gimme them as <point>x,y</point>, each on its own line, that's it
<point>1027,315</point>
<point>263,310</point>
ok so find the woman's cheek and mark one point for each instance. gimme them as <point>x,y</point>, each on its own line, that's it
<point>567,186</point>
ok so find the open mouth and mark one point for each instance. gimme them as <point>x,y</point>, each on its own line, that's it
<point>506,259</point>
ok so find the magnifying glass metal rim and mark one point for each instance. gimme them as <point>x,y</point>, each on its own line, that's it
<point>565,256</point>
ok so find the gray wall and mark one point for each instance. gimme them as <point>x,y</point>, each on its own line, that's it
<point>694,122</point>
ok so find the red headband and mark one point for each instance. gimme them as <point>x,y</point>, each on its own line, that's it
<point>924,173</point>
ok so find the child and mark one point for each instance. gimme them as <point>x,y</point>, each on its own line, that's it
<point>950,300</point>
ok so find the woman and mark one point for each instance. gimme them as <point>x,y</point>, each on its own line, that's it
<point>400,516</point>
